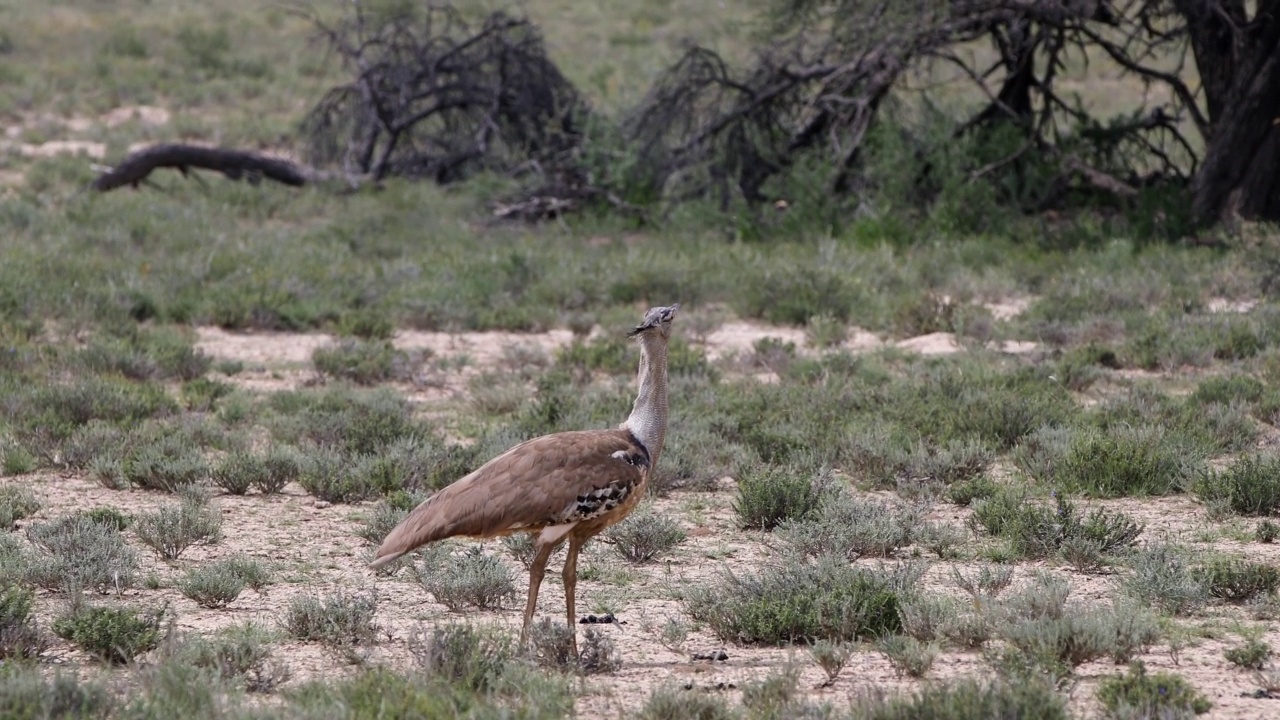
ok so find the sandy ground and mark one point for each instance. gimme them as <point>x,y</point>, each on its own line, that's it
<point>313,548</point>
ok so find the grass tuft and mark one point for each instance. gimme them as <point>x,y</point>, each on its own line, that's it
<point>16,503</point>
<point>1249,486</point>
<point>75,552</point>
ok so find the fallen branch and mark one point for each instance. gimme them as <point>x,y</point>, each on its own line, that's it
<point>235,164</point>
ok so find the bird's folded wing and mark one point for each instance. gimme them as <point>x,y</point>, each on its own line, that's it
<point>550,480</point>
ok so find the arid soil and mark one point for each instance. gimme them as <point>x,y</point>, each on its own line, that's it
<point>313,549</point>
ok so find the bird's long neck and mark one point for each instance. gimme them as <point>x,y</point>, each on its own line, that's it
<point>648,418</point>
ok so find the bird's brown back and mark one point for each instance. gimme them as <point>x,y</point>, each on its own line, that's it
<point>550,480</point>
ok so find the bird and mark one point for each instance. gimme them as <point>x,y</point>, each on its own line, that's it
<point>563,486</point>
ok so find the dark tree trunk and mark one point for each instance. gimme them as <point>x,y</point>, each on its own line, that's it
<point>1239,61</point>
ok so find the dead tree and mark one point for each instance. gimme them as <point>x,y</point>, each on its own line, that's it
<point>432,96</point>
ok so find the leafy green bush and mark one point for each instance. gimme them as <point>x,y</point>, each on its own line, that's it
<point>1124,462</point>
<point>769,495</point>
<point>1249,486</point>
<point>239,653</point>
<point>967,700</point>
<point>463,655</point>
<point>1252,655</point>
<point>1035,530</point>
<point>366,362</point>
<point>333,476</point>
<point>239,471</point>
<point>1238,580</point>
<point>799,602</point>
<point>1139,694</point>
<point>27,694</point>
<point>218,584</point>
<point>113,634</point>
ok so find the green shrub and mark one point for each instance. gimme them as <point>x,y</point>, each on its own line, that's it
<point>20,637</point>
<point>212,586</point>
<point>769,495</point>
<point>1238,580</point>
<point>1249,486</point>
<point>239,653</point>
<point>342,419</point>
<point>463,655</point>
<point>966,700</point>
<point>333,476</point>
<point>645,535</point>
<point>681,704</point>
<point>239,471</point>
<point>1139,694</point>
<point>108,517</point>
<point>16,460</point>
<point>850,526</point>
<point>1252,655</point>
<point>1035,530</point>
<point>908,655</point>
<point>801,602</point>
<point>472,579</point>
<point>1267,532</point>
<point>282,467</point>
<point>336,619</point>
<point>965,492</point>
<point>27,694</point>
<point>1124,462</point>
<point>165,468</point>
<point>171,529</point>
<point>113,634</point>
<point>75,553</point>
<point>16,502</point>
<point>366,362</point>
<point>831,657</point>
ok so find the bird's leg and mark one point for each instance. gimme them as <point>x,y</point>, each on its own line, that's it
<point>537,569</point>
<point>570,576</point>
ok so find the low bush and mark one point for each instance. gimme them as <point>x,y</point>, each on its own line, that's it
<point>20,637</point>
<point>1238,580</point>
<point>1249,486</point>
<point>171,529</point>
<point>16,503</point>
<point>1164,578</point>
<point>799,603</point>
<point>113,634</point>
<point>769,495</point>
<point>850,526</point>
<point>1155,695</point>
<point>75,552</point>
<point>471,579</point>
<point>644,536</point>
<point>337,619</point>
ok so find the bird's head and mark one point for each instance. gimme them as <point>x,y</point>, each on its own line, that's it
<point>656,322</point>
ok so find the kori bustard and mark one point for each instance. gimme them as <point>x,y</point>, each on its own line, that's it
<point>568,485</point>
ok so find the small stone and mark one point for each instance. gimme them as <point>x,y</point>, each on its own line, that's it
<point>321,504</point>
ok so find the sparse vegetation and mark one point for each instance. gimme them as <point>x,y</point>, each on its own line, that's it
<point>147,344</point>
